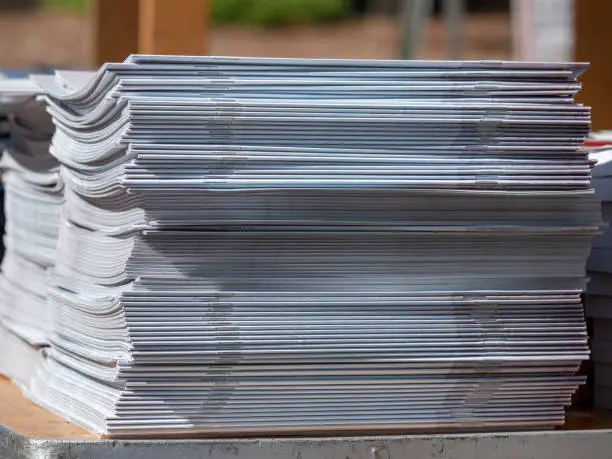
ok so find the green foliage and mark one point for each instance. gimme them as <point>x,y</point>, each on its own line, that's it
<point>275,13</point>
<point>69,6</point>
<point>225,11</point>
<point>261,13</point>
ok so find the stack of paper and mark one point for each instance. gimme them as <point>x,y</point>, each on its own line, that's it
<point>33,195</point>
<point>281,246</point>
<point>599,294</point>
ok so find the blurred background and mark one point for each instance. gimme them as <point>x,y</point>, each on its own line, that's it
<point>43,34</point>
<point>60,33</point>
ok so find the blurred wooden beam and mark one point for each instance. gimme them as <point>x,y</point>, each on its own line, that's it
<point>173,27</point>
<point>593,35</point>
<point>115,29</point>
<point>124,27</point>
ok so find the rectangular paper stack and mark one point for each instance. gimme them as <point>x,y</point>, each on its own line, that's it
<point>287,246</point>
<point>32,199</point>
<point>599,295</point>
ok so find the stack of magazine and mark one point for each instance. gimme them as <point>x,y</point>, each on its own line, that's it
<point>32,199</point>
<point>289,246</point>
<point>599,294</point>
